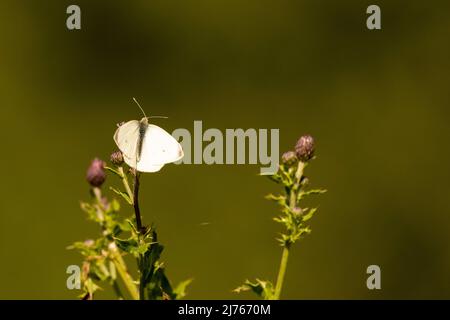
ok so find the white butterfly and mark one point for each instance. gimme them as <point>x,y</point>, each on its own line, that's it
<point>146,147</point>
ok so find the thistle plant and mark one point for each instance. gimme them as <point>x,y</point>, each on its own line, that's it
<point>104,257</point>
<point>293,217</point>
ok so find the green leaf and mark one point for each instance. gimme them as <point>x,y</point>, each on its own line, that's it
<point>90,210</point>
<point>285,240</point>
<point>90,287</point>
<point>275,177</point>
<point>264,289</point>
<point>159,287</point>
<point>122,194</point>
<point>282,219</point>
<point>133,227</point>
<point>142,248</point>
<point>113,171</point>
<point>128,245</point>
<point>115,205</point>
<point>286,176</point>
<point>149,233</point>
<point>86,249</point>
<point>180,289</point>
<point>309,214</point>
<point>120,226</point>
<point>149,260</point>
<point>281,200</point>
<point>304,194</point>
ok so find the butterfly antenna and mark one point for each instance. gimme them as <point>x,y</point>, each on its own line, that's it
<point>159,117</point>
<point>139,107</point>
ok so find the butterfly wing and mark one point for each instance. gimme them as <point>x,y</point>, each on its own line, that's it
<point>126,137</point>
<point>158,148</point>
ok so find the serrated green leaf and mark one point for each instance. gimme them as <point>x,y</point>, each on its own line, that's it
<point>263,289</point>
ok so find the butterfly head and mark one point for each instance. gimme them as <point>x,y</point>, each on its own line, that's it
<point>144,121</point>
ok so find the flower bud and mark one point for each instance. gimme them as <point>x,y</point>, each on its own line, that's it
<point>297,211</point>
<point>132,171</point>
<point>117,158</point>
<point>112,246</point>
<point>289,158</point>
<point>304,148</point>
<point>89,243</point>
<point>96,173</point>
<point>304,181</point>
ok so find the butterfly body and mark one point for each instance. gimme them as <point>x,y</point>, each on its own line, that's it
<point>143,126</point>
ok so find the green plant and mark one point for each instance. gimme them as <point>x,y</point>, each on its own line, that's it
<point>293,217</point>
<point>103,257</point>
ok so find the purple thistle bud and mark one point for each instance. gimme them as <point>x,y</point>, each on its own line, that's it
<point>117,158</point>
<point>305,148</point>
<point>289,158</point>
<point>96,173</point>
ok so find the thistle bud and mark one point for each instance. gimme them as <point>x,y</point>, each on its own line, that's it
<point>304,148</point>
<point>96,173</point>
<point>304,181</point>
<point>89,243</point>
<point>297,211</point>
<point>117,158</point>
<point>289,158</point>
<point>132,171</point>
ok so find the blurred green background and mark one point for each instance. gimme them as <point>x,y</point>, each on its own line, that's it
<point>377,103</point>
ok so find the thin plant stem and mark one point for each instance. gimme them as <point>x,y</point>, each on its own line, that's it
<point>141,231</point>
<point>126,184</point>
<point>117,259</point>
<point>299,174</point>
<point>137,210</point>
<point>98,197</point>
<point>285,254</point>
<point>126,278</point>
<point>281,273</point>
<point>141,280</point>
<point>117,290</point>
<point>134,197</point>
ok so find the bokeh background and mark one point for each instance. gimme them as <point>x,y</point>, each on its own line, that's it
<point>377,103</point>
